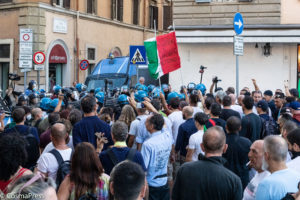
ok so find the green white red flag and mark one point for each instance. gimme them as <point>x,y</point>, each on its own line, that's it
<point>162,55</point>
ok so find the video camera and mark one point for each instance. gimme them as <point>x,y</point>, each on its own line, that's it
<point>202,68</point>
<point>216,80</point>
<point>14,77</point>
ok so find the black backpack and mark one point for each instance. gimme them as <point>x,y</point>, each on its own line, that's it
<point>269,127</point>
<point>63,167</point>
<point>115,160</point>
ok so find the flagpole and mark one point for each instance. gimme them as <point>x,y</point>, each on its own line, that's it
<point>155,39</point>
<point>180,67</point>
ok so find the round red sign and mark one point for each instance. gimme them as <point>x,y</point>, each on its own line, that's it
<point>84,64</point>
<point>39,58</point>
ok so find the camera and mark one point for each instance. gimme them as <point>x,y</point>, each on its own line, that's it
<point>202,68</point>
<point>216,80</point>
<point>13,77</point>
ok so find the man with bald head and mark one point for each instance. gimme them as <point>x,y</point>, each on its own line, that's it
<point>185,130</point>
<point>47,163</point>
<point>207,178</point>
<point>256,157</point>
<point>282,180</point>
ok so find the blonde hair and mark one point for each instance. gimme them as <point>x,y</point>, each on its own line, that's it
<point>127,115</point>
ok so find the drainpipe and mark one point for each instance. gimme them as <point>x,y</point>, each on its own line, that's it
<point>77,42</point>
<point>144,34</point>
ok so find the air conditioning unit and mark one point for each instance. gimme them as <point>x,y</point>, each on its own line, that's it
<point>202,1</point>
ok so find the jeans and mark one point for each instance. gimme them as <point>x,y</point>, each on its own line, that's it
<point>159,193</point>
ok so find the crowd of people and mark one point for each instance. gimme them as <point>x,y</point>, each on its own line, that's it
<point>150,142</point>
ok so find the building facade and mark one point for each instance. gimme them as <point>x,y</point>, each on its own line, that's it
<point>204,30</point>
<point>68,31</point>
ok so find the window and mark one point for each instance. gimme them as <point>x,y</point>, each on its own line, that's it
<point>91,54</point>
<point>61,3</point>
<point>117,9</point>
<point>4,50</point>
<point>135,12</point>
<point>5,1</point>
<point>167,17</point>
<point>91,6</point>
<point>153,16</point>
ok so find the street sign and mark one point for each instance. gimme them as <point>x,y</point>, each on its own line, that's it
<point>137,55</point>
<point>25,70</point>
<point>25,57</point>
<point>26,35</point>
<point>84,64</point>
<point>238,46</point>
<point>238,23</point>
<point>39,67</point>
<point>39,58</point>
<point>25,63</point>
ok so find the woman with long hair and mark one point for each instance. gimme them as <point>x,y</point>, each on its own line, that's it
<point>127,115</point>
<point>87,177</point>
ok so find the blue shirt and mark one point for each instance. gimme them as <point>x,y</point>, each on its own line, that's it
<point>84,131</point>
<point>156,152</point>
<point>23,129</point>
<point>121,154</point>
<point>143,134</point>
<point>184,132</point>
<point>276,185</point>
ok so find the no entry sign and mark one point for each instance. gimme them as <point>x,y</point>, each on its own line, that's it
<point>84,64</point>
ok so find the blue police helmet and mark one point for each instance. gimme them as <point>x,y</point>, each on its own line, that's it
<point>140,95</point>
<point>156,92</point>
<point>45,103</point>
<point>56,89</point>
<point>150,88</point>
<point>42,91</point>
<point>142,87</point>
<point>80,87</point>
<point>22,97</point>
<point>201,87</point>
<point>181,96</point>
<point>137,85</point>
<point>123,99</point>
<point>100,97</point>
<point>54,103</point>
<point>124,88</point>
<point>98,89</point>
<point>164,87</point>
<point>171,96</point>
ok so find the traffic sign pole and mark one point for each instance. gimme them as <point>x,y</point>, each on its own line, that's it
<point>25,77</point>
<point>238,24</point>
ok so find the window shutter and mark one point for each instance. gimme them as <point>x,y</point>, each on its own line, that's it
<point>66,4</point>
<point>136,12</point>
<point>113,9</point>
<point>167,17</point>
<point>120,10</point>
<point>155,16</point>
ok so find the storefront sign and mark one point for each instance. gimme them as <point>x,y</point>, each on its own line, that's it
<point>58,55</point>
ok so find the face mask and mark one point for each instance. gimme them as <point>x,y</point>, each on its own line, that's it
<point>28,117</point>
<point>265,165</point>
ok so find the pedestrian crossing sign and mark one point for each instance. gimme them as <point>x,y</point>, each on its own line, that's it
<point>137,55</point>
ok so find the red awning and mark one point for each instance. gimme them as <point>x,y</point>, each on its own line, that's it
<point>58,55</point>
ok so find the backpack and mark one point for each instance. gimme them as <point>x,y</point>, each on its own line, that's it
<point>269,127</point>
<point>88,196</point>
<point>63,167</point>
<point>115,160</point>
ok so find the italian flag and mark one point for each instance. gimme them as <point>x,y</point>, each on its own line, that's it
<point>162,54</point>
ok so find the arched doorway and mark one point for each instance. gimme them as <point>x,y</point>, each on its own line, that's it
<point>58,62</point>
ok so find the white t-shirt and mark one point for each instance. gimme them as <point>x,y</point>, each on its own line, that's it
<point>47,163</point>
<point>238,109</point>
<point>250,190</point>
<point>176,120</point>
<point>294,164</point>
<point>134,127</point>
<point>194,143</point>
<point>50,146</point>
<point>196,110</point>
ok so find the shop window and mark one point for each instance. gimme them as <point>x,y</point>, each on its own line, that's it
<point>153,16</point>
<point>135,13</point>
<point>61,3</point>
<point>117,9</point>
<point>4,50</point>
<point>91,6</point>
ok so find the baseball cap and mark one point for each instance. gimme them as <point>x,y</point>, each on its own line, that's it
<point>268,93</point>
<point>263,105</point>
<point>295,105</point>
